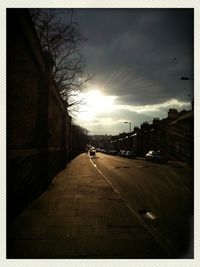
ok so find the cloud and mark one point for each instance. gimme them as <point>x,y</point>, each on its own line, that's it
<point>139,56</point>
<point>157,107</point>
<point>113,121</point>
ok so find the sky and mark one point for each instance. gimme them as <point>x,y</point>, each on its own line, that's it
<point>137,57</point>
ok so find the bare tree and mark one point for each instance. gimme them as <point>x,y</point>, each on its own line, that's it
<point>60,38</point>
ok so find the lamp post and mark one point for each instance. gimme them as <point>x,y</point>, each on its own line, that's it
<point>129,124</point>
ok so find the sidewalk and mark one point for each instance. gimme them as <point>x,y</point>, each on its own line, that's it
<point>80,216</point>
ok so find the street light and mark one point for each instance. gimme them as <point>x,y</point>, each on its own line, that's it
<point>129,124</point>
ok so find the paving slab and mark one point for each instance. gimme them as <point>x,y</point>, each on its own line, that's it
<point>80,216</point>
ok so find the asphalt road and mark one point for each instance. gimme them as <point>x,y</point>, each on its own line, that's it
<point>160,195</point>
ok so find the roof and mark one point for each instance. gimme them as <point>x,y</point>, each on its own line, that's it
<point>188,115</point>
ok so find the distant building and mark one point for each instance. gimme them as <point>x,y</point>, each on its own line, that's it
<point>173,113</point>
<point>180,135</point>
<point>173,136</point>
<point>100,141</point>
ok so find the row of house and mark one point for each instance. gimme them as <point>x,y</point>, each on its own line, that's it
<point>173,136</point>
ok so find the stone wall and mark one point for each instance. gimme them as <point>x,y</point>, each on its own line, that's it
<point>59,123</point>
<point>27,110</point>
<point>38,127</point>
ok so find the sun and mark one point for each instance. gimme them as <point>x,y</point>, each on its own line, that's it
<point>96,102</point>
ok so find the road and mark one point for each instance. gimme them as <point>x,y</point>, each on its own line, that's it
<point>160,195</point>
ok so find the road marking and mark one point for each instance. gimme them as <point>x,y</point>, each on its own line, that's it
<point>100,171</point>
<point>149,215</point>
<point>159,239</point>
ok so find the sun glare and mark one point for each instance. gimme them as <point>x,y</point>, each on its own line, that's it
<point>96,102</point>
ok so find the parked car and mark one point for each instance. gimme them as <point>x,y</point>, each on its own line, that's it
<point>120,153</point>
<point>130,155</point>
<point>112,152</point>
<point>156,156</point>
<point>123,153</point>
